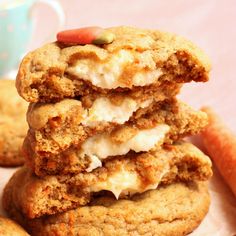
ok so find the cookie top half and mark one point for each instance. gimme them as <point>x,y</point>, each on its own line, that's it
<point>136,58</point>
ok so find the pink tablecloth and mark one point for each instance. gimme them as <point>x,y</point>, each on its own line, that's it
<point>211,25</point>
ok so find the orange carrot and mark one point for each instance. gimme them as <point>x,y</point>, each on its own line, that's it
<point>220,143</point>
<point>87,35</point>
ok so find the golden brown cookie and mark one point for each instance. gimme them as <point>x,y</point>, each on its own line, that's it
<point>123,176</point>
<point>135,61</point>
<point>172,210</point>
<point>10,228</point>
<point>13,126</point>
<point>60,141</point>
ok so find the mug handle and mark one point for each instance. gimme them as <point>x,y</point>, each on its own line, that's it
<point>56,6</point>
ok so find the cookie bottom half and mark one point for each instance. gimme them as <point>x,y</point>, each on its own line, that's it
<point>175,209</point>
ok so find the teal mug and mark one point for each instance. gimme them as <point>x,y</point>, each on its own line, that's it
<point>16,29</point>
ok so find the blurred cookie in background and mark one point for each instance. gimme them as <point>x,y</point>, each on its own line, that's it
<point>10,228</point>
<point>13,126</point>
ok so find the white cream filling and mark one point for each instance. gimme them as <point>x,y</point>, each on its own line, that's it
<point>125,182</point>
<point>106,75</point>
<point>101,146</point>
<point>95,163</point>
<point>103,110</point>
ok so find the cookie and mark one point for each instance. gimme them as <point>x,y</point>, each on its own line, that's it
<point>13,126</point>
<point>59,142</point>
<point>10,228</point>
<point>136,60</point>
<point>172,210</point>
<point>123,176</point>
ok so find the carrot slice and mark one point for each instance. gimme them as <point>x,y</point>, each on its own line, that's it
<point>220,143</point>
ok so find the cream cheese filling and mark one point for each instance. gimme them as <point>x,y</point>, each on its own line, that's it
<point>126,182</point>
<point>95,163</point>
<point>103,110</point>
<point>106,74</point>
<point>101,146</point>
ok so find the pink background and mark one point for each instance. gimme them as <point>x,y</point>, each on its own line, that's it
<point>210,24</point>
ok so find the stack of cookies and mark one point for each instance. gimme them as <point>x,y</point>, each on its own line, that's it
<point>104,151</point>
